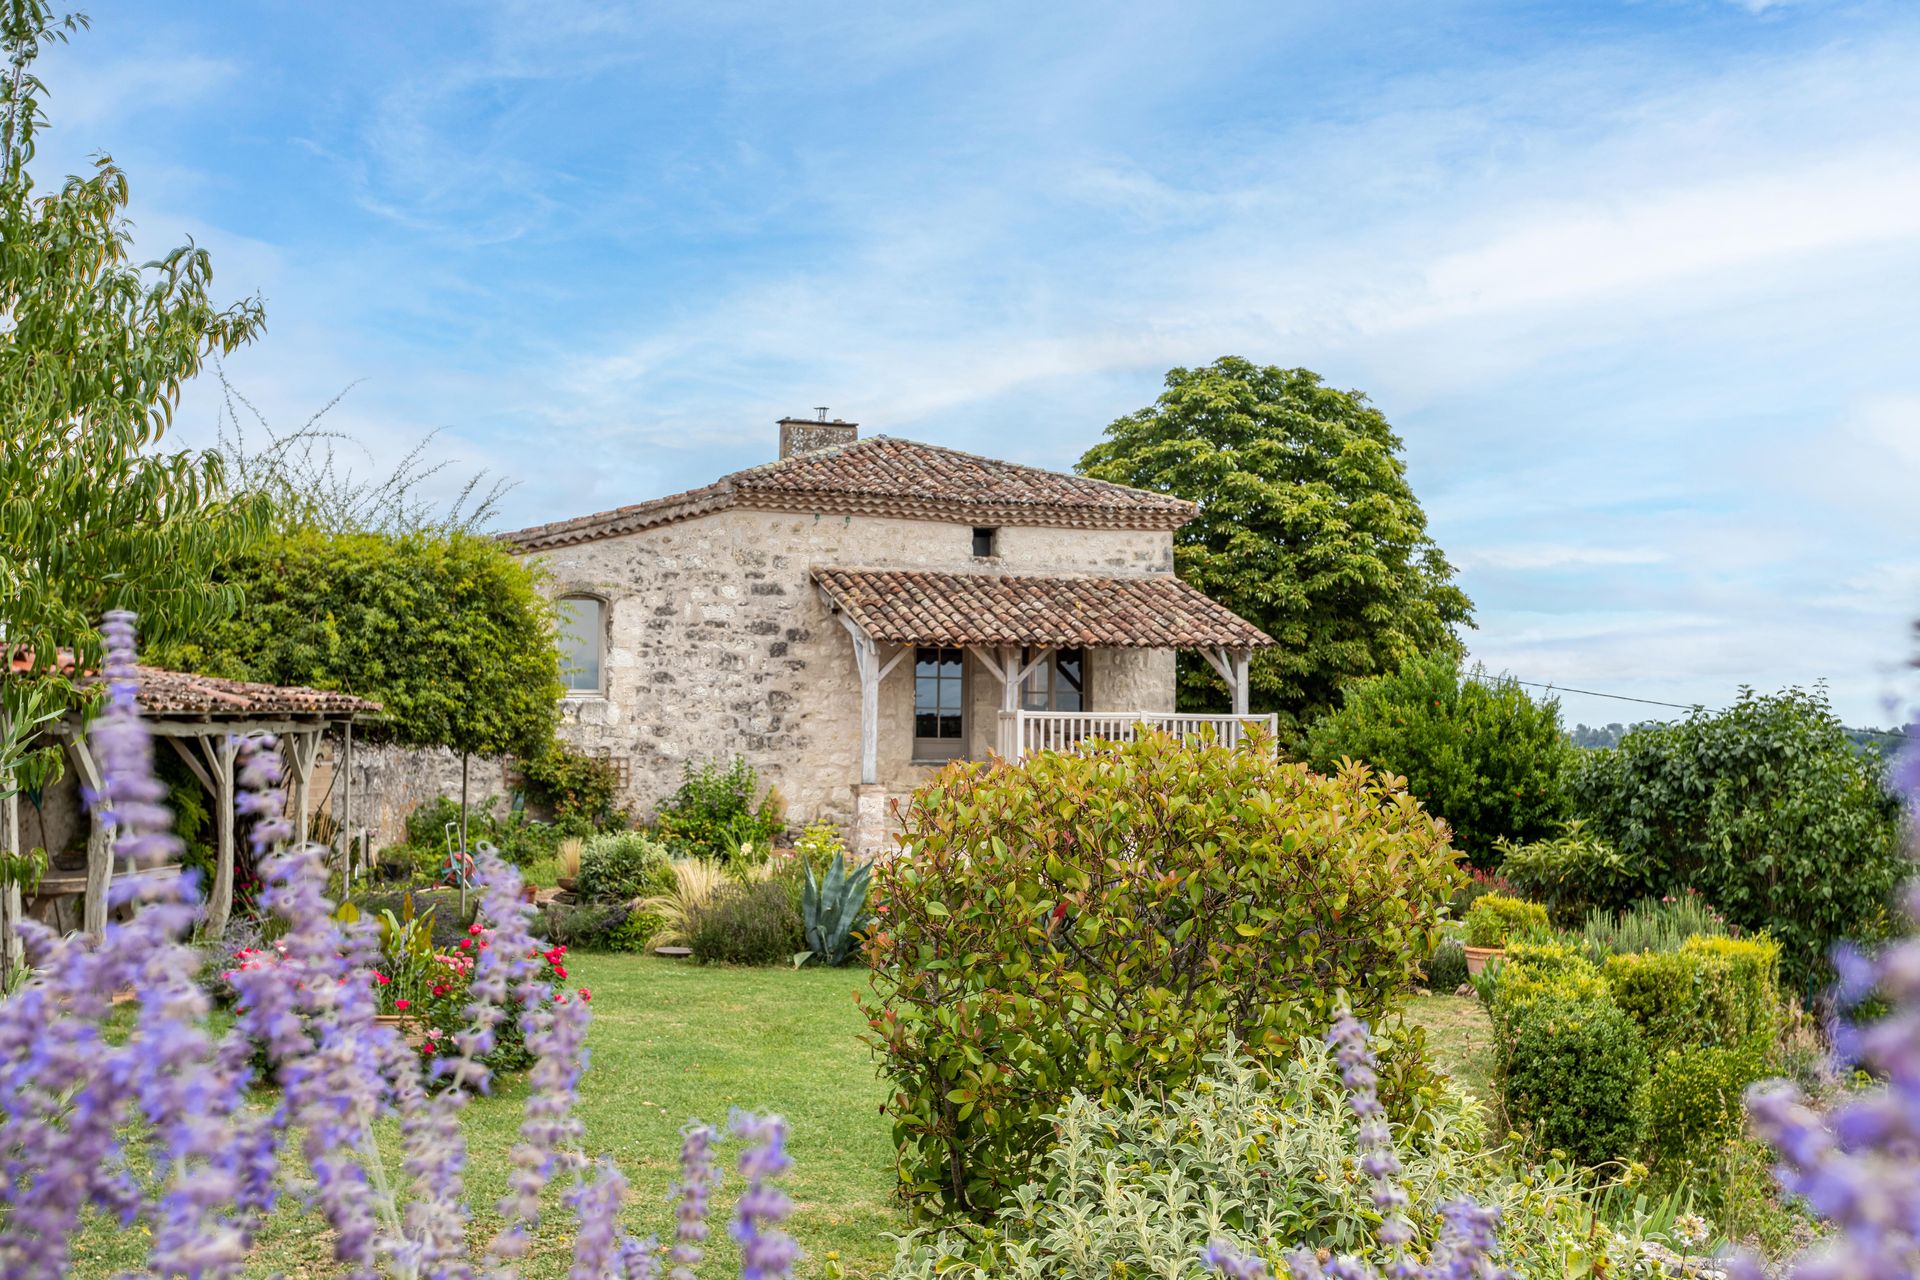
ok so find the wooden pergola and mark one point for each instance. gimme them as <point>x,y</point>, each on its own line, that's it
<point>203,719</point>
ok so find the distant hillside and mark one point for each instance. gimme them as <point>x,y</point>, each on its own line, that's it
<point>1879,742</point>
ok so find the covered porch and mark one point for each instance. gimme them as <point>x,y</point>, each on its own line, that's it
<point>1064,658</point>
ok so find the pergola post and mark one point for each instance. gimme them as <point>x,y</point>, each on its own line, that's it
<point>219,751</point>
<point>12,953</point>
<point>93,904</point>
<point>302,751</point>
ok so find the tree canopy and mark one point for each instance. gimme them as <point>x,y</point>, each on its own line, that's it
<point>93,356</point>
<point>446,630</point>
<point>1307,528</point>
<point>1767,808</point>
<point>1477,751</point>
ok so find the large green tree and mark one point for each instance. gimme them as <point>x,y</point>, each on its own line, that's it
<point>94,352</point>
<point>1307,527</point>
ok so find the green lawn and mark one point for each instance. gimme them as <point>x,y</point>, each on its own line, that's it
<point>672,1041</point>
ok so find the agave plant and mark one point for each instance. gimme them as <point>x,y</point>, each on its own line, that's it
<point>832,908</point>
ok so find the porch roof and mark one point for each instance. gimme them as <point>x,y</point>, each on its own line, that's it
<point>912,606</point>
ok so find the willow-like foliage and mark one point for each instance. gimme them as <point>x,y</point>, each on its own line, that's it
<point>94,350</point>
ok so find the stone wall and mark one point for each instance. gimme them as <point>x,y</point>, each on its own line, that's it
<point>718,643</point>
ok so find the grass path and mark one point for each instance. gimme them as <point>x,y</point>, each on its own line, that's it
<point>674,1041</point>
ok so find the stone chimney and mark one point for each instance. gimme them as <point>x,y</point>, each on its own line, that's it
<point>804,435</point>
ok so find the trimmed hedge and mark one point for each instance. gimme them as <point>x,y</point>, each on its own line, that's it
<point>1577,1075</point>
<point>1651,1051</point>
<point>1494,919</point>
<point>1711,992</point>
<point>1697,1099</point>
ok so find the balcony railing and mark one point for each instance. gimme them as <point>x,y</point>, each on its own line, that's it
<point>1025,732</point>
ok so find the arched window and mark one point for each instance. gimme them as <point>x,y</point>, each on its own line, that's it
<point>583,644</point>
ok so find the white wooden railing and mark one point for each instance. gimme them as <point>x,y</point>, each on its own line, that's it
<point>1025,732</point>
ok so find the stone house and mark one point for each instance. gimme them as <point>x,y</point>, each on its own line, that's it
<point>860,612</point>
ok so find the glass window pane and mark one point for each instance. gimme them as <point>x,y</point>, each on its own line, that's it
<point>950,726</point>
<point>580,633</point>
<point>926,724</point>
<point>1070,685</point>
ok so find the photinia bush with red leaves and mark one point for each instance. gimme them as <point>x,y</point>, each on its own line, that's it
<point>1102,922</point>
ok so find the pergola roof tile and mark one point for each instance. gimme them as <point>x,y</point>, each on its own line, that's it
<point>912,606</point>
<point>180,693</point>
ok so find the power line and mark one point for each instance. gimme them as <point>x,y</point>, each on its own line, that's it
<point>1617,697</point>
<point>1654,702</point>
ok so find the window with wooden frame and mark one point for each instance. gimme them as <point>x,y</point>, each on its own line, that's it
<point>939,704</point>
<point>1058,684</point>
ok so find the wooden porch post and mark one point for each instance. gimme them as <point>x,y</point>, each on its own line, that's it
<point>93,905</point>
<point>1003,663</point>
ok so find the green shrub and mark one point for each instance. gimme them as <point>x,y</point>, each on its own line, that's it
<point>619,866</point>
<point>1447,968</point>
<point>1495,919</point>
<point>1572,873</point>
<point>1479,752</point>
<point>1652,926</point>
<point>582,792</point>
<point>615,927</point>
<point>1103,923</point>
<point>752,923</point>
<point>1140,1185</point>
<point>1696,1102</point>
<point>714,813</point>
<point>1532,971</point>
<point>449,632</point>
<point>1576,1073</point>
<point>1766,808</point>
<point>1476,886</point>
<point>1712,991</point>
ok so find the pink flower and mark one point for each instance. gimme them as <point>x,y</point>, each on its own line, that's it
<point>428,1047</point>
<point>560,970</point>
<point>474,930</point>
<point>403,1004</point>
<point>586,994</point>
<point>382,979</point>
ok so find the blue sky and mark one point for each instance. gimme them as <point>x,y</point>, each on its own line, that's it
<point>1639,283</point>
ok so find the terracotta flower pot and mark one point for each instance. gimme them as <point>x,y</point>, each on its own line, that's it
<point>566,883</point>
<point>1477,958</point>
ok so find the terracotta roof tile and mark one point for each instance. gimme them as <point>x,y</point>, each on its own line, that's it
<point>177,693</point>
<point>884,476</point>
<point>908,606</point>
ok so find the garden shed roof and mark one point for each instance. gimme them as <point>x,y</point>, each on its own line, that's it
<point>909,606</point>
<point>885,476</point>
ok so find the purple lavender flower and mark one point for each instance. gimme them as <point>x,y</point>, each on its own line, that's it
<point>70,1100</point>
<point>1467,1240</point>
<point>699,1175</point>
<point>766,1251</point>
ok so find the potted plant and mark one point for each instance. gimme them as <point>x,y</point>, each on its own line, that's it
<point>1493,920</point>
